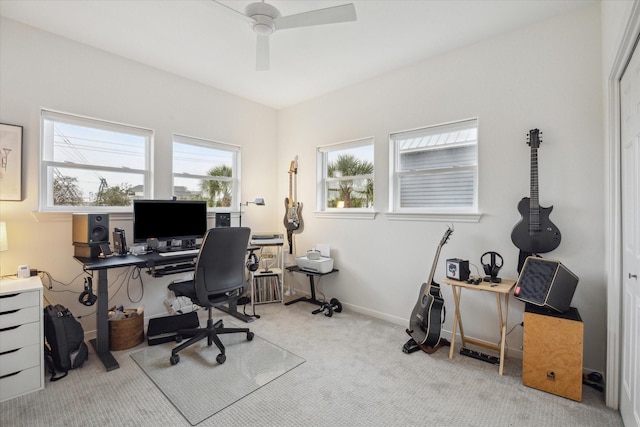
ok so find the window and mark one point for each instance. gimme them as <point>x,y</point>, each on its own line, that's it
<point>435,169</point>
<point>345,176</point>
<point>206,170</point>
<point>89,164</point>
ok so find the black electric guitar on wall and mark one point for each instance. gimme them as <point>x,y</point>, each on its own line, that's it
<point>293,210</point>
<point>427,316</point>
<point>534,233</point>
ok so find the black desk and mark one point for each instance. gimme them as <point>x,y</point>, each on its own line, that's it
<point>150,260</point>
<point>310,275</point>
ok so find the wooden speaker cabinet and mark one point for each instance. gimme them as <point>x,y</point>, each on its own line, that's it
<point>552,351</point>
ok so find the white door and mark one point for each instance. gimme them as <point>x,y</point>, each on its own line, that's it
<point>630,152</point>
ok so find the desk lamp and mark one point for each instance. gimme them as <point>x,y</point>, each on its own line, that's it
<point>258,202</point>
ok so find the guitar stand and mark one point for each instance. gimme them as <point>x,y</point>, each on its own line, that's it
<point>412,346</point>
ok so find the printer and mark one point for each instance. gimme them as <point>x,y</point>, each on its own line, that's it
<point>316,261</point>
<point>321,265</point>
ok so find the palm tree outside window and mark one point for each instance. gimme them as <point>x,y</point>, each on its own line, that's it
<point>347,175</point>
<point>205,170</point>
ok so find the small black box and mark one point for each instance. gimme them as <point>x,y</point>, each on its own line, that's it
<point>163,329</point>
<point>223,219</point>
<point>457,269</point>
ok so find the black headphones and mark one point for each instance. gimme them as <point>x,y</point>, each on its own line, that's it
<point>252,261</point>
<point>87,297</point>
<point>493,267</point>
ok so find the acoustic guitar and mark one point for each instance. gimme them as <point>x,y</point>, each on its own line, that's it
<point>293,210</point>
<point>534,233</point>
<point>427,316</point>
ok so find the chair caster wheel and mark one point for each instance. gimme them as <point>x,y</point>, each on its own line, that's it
<point>178,338</point>
<point>249,336</point>
<point>174,359</point>
<point>337,306</point>
<point>328,309</point>
<point>221,358</point>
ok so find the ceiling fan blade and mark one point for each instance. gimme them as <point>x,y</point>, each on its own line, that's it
<point>237,13</point>
<point>262,53</point>
<point>330,15</point>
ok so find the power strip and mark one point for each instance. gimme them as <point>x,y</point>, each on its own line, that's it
<point>480,356</point>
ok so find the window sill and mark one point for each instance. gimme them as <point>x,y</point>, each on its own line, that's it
<point>59,216</point>
<point>442,217</point>
<point>346,214</point>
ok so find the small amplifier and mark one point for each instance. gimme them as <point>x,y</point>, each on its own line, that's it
<point>457,269</point>
<point>546,283</point>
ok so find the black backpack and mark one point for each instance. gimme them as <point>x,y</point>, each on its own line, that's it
<point>65,348</point>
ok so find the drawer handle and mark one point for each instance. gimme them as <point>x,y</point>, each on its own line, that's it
<point>10,312</point>
<point>9,351</point>
<point>10,328</point>
<point>9,296</point>
<point>10,375</point>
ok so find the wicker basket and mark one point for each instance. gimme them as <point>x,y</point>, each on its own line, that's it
<point>126,333</point>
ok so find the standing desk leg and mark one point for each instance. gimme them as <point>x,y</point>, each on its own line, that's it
<point>313,299</point>
<point>457,320</point>
<point>101,342</point>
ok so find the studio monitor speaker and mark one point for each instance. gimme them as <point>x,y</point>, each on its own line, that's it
<point>90,228</point>
<point>223,219</point>
<point>546,283</point>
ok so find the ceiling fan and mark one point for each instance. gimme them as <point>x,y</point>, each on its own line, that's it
<point>265,19</point>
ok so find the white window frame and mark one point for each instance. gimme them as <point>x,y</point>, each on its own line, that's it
<point>323,180</point>
<point>236,154</point>
<point>444,213</point>
<point>47,166</point>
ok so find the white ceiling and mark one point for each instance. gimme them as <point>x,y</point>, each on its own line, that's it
<point>205,42</point>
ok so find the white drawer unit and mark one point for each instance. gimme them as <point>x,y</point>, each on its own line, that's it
<point>21,337</point>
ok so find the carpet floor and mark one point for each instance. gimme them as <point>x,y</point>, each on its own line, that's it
<point>355,374</point>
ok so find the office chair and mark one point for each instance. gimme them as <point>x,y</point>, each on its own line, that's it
<point>219,278</point>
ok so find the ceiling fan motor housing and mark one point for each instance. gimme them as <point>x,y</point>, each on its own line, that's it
<point>263,14</point>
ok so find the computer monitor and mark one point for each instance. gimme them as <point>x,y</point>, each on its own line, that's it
<point>168,220</point>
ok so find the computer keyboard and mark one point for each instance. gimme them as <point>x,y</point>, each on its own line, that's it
<point>173,269</point>
<point>179,253</point>
<point>267,239</point>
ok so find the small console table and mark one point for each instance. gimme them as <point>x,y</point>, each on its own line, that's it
<point>329,308</point>
<point>503,288</point>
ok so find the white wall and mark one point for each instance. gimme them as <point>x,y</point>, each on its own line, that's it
<point>546,76</point>
<point>39,70</point>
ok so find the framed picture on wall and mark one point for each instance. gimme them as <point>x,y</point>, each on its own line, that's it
<point>11,162</point>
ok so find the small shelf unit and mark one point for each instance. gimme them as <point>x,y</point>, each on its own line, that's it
<point>267,282</point>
